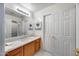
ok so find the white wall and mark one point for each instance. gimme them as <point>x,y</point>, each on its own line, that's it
<point>51,9</point>
<point>1,29</point>
<point>26,22</point>
<point>77,25</point>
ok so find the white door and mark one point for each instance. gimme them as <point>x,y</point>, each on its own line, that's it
<point>60,33</point>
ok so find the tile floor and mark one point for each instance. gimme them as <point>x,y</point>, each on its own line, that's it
<point>42,53</point>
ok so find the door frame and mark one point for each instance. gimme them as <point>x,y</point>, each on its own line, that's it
<point>44,25</point>
<point>44,30</point>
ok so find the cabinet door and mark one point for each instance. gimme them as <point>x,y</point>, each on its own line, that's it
<point>16,52</point>
<point>37,44</point>
<point>29,49</point>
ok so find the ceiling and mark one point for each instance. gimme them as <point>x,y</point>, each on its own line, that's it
<point>34,7</point>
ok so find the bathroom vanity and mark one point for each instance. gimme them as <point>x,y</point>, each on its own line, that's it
<point>19,39</point>
<point>27,47</point>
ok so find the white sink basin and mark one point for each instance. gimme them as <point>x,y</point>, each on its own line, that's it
<point>12,43</point>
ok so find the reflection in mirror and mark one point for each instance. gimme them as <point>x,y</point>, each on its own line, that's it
<point>14,24</point>
<point>14,28</point>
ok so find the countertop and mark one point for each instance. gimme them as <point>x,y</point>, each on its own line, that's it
<point>18,43</point>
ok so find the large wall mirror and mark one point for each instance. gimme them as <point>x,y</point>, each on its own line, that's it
<point>14,24</point>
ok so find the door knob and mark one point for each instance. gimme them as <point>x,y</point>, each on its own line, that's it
<point>46,33</point>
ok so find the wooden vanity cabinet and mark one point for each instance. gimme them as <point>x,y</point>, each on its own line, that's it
<point>16,52</point>
<point>31,48</point>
